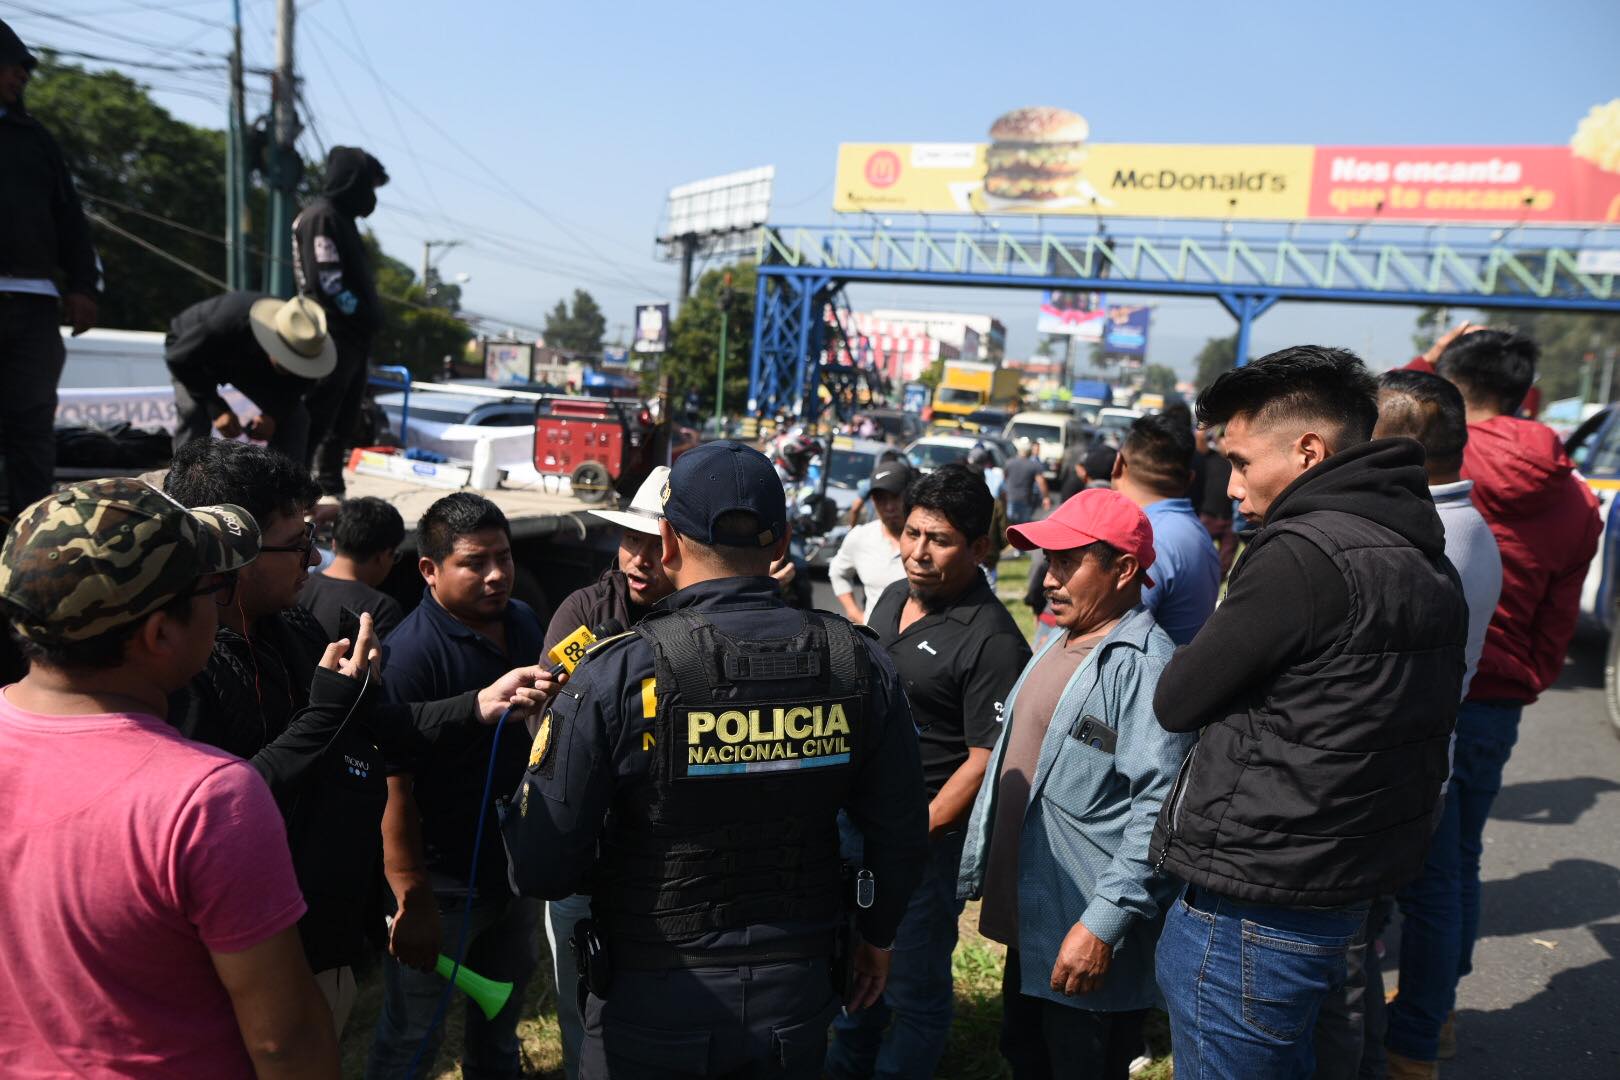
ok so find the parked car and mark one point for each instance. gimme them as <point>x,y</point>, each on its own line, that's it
<point>1595,448</point>
<point>932,451</point>
<point>451,424</point>
<point>1058,433</point>
<point>899,427</point>
<point>1113,423</point>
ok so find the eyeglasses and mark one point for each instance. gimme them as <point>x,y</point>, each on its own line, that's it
<point>223,591</point>
<point>304,548</point>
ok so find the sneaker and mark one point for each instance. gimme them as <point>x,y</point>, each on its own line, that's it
<point>1448,1037</point>
<point>1399,1067</point>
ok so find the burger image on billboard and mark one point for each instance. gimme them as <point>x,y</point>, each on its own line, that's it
<point>1036,154</point>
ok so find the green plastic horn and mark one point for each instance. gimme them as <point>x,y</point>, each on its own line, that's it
<point>490,995</point>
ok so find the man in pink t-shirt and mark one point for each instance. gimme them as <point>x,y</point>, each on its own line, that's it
<point>147,898</point>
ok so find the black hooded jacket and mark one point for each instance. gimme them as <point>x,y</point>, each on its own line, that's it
<point>329,258</point>
<point>1324,690</point>
<point>43,231</point>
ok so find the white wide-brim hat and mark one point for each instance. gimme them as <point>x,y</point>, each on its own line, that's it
<point>646,509</point>
<point>294,333</point>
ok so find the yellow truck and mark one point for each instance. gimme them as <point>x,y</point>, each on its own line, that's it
<point>967,387</point>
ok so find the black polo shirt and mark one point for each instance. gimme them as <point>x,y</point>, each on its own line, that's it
<point>958,665</point>
<point>432,656</point>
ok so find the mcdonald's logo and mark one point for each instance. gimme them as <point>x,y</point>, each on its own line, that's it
<point>882,169</point>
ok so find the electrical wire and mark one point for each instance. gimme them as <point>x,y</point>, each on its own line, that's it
<point>501,185</point>
<point>171,11</point>
<point>154,249</point>
<point>128,39</point>
<point>360,43</point>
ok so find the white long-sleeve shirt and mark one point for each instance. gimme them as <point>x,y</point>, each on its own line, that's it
<point>868,557</point>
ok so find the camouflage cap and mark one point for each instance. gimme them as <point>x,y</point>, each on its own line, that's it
<point>99,555</point>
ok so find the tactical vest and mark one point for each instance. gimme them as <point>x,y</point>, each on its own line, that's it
<point>755,747</point>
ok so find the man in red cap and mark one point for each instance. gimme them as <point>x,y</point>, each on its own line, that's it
<point>1057,844</point>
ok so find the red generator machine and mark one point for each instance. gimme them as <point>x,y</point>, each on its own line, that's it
<point>600,444</point>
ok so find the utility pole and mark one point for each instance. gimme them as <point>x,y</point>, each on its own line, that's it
<point>427,260</point>
<point>284,163</point>
<point>236,168</point>
<point>689,245</point>
<point>720,374</point>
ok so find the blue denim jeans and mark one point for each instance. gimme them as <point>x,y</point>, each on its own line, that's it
<point>501,945</point>
<point>561,918</point>
<point>1243,983</point>
<point>904,1033</point>
<point>1486,732</point>
<point>1431,942</point>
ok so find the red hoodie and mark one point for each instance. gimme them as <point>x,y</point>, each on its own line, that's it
<point>1545,520</point>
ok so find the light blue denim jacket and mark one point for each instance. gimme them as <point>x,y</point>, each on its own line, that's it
<point>1083,850</point>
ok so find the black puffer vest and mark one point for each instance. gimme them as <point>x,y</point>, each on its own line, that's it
<point>1318,788</point>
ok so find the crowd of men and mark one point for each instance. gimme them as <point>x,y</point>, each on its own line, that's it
<point>749,830</point>
<point>754,829</point>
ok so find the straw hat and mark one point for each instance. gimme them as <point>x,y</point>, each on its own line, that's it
<point>646,509</point>
<point>293,332</point>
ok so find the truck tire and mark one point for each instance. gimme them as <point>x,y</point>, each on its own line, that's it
<point>591,482</point>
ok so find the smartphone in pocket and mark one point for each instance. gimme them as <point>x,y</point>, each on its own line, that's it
<point>1095,734</point>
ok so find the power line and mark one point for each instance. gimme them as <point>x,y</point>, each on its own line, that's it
<point>171,10</point>
<point>360,42</point>
<point>506,186</point>
<point>154,249</point>
<point>464,314</point>
<point>145,43</point>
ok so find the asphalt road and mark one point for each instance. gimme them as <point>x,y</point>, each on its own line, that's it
<point>1544,999</point>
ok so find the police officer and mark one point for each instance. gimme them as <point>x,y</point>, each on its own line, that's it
<point>689,778</point>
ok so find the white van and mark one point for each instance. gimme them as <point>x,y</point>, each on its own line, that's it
<point>1057,433</point>
<point>118,376</point>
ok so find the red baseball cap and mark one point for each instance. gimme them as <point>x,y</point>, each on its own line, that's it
<point>1086,517</point>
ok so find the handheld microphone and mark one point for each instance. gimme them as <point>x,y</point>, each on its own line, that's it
<point>567,654</point>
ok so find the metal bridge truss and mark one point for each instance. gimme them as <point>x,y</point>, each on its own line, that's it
<point>802,268</point>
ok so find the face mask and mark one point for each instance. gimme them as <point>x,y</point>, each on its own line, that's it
<point>365,201</point>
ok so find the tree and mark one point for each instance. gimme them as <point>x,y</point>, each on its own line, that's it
<point>577,331</point>
<point>1566,338</point>
<point>120,145</point>
<point>1218,354</point>
<point>694,340</point>
<point>1158,379</point>
<point>414,333</point>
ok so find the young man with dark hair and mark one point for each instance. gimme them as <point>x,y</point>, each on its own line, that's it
<point>467,629</point>
<point>1323,720</point>
<point>265,696</point>
<point>1547,527</point>
<point>958,653</point>
<point>150,906</point>
<point>1058,840</point>
<point>1429,409</point>
<point>1153,469</point>
<point>869,556</point>
<point>365,549</point>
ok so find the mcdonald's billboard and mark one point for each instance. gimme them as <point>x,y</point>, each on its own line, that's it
<point>1040,161</point>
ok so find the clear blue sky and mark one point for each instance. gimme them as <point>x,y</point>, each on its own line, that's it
<point>592,111</point>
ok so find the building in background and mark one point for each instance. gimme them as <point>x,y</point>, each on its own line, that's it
<point>900,350</point>
<point>974,337</point>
